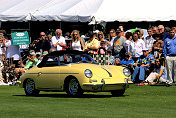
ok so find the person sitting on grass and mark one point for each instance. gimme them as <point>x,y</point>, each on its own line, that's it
<point>128,61</point>
<point>143,63</point>
<point>159,75</point>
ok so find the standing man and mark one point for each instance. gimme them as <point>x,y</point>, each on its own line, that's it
<point>169,50</point>
<point>162,32</point>
<point>149,40</point>
<point>119,44</point>
<point>155,30</point>
<point>58,41</point>
<point>92,45</point>
<point>43,44</point>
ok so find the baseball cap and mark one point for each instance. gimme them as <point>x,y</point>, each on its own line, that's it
<point>118,30</point>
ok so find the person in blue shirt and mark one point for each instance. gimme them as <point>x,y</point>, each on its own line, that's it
<point>159,74</point>
<point>169,50</point>
<point>128,61</point>
<point>143,63</point>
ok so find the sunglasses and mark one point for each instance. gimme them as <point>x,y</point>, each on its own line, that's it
<point>42,35</point>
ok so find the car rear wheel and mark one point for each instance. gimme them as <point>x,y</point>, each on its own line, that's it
<point>118,92</point>
<point>30,88</point>
<point>73,88</point>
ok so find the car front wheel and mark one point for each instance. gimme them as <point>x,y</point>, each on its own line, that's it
<point>30,88</point>
<point>118,92</point>
<point>73,88</point>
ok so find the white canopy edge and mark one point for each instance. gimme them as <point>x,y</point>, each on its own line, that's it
<point>84,10</point>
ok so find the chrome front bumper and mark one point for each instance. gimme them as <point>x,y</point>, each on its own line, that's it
<point>103,86</point>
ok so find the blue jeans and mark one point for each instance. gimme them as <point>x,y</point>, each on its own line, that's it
<point>141,74</point>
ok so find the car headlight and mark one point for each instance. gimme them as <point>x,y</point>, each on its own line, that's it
<point>88,73</point>
<point>126,72</point>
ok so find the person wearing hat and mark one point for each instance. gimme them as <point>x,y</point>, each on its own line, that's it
<point>32,61</point>
<point>119,44</point>
<point>144,62</point>
<point>92,45</point>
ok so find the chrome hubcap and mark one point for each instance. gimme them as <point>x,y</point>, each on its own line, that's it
<point>73,86</point>
<point>30,86</point>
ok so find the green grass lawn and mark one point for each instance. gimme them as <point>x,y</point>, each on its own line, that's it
<point>137,102</point>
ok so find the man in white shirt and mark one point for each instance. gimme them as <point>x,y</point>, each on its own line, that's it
<point>149,40</point>
<point>58,41</point>
<point>136,47</point>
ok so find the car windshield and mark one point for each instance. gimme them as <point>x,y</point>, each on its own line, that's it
<point>76,58</point>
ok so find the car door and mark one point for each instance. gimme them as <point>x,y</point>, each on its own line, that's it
<point>48,75</point>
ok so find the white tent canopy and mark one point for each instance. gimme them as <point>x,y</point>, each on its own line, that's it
<point>19,10</point>
<point>84,10</point>
<point>136,10</point>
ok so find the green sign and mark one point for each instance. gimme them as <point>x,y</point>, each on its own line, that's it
<point>20,38</point>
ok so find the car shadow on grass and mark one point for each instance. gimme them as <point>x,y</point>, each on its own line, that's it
<point>67,96</point>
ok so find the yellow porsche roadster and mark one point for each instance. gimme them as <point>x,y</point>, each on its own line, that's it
<point>75,73</point>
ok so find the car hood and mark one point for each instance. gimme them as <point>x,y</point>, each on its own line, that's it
<point>104,71</point>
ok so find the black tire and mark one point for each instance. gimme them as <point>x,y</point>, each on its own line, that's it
<point>29,88</point>
<point>118,92</point>
<point>73,87</point>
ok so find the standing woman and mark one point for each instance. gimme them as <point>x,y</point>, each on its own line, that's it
<point>129,37</point>
<point>112,36</point>
<point>157,48</point>
<point>136,47</point>
<point>77,42</point>
<point>101,38</point>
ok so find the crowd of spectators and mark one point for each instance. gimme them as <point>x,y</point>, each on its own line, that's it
<point>147,57</point>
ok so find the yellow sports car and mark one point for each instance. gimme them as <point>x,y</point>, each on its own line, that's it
<point>75,73</point>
